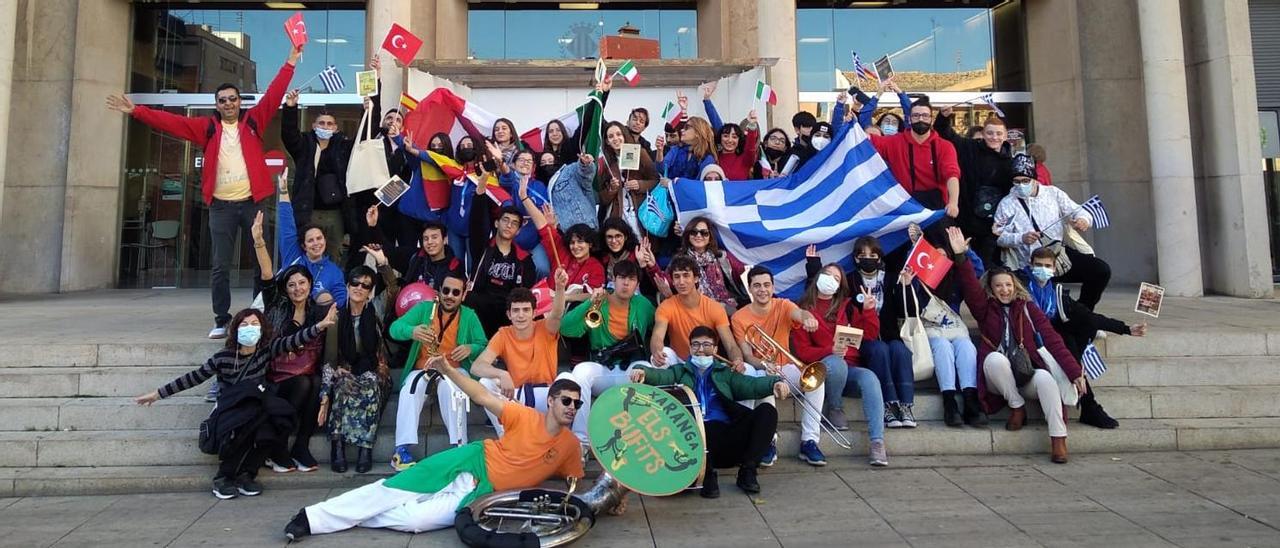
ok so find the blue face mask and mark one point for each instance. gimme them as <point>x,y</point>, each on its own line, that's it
<point>248,335</point>
<point>889,129</point>
<point>1041,273</point>
<point>701,362</point>
<point>323,134</point>
<point>1024,190</point>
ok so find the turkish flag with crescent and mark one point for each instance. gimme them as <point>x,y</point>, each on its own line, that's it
<point>402,43</point>
<point>296,28</point>
<point>929,263</point>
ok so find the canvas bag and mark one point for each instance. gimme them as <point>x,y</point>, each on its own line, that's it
<point>950,325</point>
<point>367,168</point>
<point>914,336</point>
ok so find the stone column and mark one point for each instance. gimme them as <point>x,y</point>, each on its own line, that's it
<point>451,29</point>
<point>776,34</point>
<point>379,15</point>
<point>1173,195</point>
<point>1220,66</point>
<point>8,27</point>
<point>35,183</point>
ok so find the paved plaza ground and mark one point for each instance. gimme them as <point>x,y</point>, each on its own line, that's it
<point>1218,498</point>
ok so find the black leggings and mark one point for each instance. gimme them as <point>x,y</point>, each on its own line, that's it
<point>302,392</point>
<point>744,441</point>
<point>244,457</point>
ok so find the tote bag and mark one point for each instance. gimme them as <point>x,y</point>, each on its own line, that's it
<point>914,336</point>
<point>367,168</point>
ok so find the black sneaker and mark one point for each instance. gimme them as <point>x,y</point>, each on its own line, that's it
<point>224,488</point>
<point>1094,415</point>
<point>247,486</point>
<point>298,527</point>
<point>710,485</point>
<point>747,480</point>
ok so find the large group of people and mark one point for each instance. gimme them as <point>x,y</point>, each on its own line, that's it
<point>630,303</point>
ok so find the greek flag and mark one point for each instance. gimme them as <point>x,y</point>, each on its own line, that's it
<point>990,100</point>
<point>844,192</point>
<point>1094,206</point>
<point>332,79</point>
<point>1092,362</point>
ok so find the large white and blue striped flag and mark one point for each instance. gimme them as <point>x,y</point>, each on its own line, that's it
<point>844,192</point>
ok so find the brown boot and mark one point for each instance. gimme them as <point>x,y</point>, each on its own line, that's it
<point>1017,418</point>
<point>1058,449</point>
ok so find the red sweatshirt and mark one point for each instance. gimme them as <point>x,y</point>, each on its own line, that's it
<point>737,167</point>
<point>812,347</point>
<point>898,149</point>
<point>196,130</point>
<point>588,271</point>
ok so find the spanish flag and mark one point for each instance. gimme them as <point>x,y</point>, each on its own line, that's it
<point>442,171</point>
<point>407,103</point>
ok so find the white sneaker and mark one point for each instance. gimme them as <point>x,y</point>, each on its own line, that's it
<point>218,333</point>
<point>278,468</point>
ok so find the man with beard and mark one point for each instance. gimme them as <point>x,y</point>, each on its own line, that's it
<point>922,161</point>
<point>455,331</point>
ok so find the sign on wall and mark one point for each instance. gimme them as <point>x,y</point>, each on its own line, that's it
<point>1269,133</point>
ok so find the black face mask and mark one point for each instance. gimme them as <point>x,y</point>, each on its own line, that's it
<point>773,154</point>
<point>920,128</point>
<point>545,173</point>
<point>467,155</point>
<point>869,265</point>
<point>439,150</point>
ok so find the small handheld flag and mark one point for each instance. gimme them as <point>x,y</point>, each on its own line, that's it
<point>863,71</point>
<point>929,263</point>
<point>990,101</point>
<point>401,43</point>
<point>765,93</point>
<point>1094,206</point>
<point>629,72</point>
<point>671,113</point>
<point>1092,362</point>
<point>296,28</point>
<point>407,103</point>
<point>332,79</point>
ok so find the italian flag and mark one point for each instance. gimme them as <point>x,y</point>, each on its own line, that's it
<point>765,93</point>
<point>671,113</point>
<point>628,71</point>
<point>587,116</point>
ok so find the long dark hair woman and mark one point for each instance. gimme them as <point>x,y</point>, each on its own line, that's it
<point>623,190</point>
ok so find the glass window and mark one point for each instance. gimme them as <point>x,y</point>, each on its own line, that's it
<point>502,31</point>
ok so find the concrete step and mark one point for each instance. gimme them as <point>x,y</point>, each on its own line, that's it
<point>108,354</point>
<point>178,447</point>
<point>1207,342</point>
<point>1192,371</point>
<point>60,382</point>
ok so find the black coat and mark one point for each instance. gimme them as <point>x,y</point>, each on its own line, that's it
<point>250,412</point>
<point>301,146</point>
<point>979,166</point>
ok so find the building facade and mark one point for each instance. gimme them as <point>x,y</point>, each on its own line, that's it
<point>1152,104</point>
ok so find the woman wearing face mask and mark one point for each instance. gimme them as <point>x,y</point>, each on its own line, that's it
<point>695,151</point>
<point>1032,215</point>
<point>774,152</point>
<point>864,106</point>
<point>827,297</point>
<point>1076,324</point>
<point>462,190</point>
<point>1009,322</point>
<point>986,171</point>
<point>890,123</point>
<point>623,190</point>
<point>356,378</point>
<point>721,271</point>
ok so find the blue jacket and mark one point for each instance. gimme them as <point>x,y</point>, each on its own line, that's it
<point>573,195</point>
<point>864,116</point>
<point>679,162</point>
<point>528,237</point>
<point>327,277</point>
<point>713,116</point>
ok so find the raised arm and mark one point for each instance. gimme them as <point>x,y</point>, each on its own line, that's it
<point>474,390</point>
<point>269,102</point>
<point>265,270</point>
<point>286,227</point>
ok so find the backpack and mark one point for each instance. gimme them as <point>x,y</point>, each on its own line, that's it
<point>656,213</point>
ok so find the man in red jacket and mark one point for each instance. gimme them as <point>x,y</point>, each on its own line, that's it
<point>235,177</point>
<point>922,162</point>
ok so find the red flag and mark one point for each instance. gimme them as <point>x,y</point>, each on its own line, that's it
<point>402,43</point>
<point>296,28</point>
<point>929,263</point>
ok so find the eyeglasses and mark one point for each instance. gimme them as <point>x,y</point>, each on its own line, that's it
<point>776,139</point>
<point>615,237</point>
<point>922,116</point>
<point>365,286</point>
<point>228,99</point>
<point>509,221</point>
<point>702,345</point>
<point>700,232</point>
<point>524,161</point>
<point>450,291</point>
<point>567,401</point>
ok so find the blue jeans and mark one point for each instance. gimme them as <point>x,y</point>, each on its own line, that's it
<point>868,387</point>
<point>952,358</point>
<point>837,376</point>
<point>542,263</point>
<point>891,362</point>
<point>458,244</point>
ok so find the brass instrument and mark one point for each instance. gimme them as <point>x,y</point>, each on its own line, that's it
<point>594,318</point>
<point>432,349</point>
<point>556,517</point>
<point>812,375</point>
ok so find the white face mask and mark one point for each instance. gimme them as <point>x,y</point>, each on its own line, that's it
<point>827,284</point>
<point>820,143</point>
<point>701,362</point>
<point>1025,190</point>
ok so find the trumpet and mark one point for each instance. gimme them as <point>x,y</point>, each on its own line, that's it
<point>594,318</point>
<point>812,375</point>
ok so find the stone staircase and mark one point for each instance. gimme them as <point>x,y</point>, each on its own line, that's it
<point>68,423</point>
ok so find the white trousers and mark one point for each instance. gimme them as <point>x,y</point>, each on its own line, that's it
<point>810,423</point>
<point>595,378</point>
<point>409,411</point>
<point>999,375</point>
<point>539,402</point>
<point>378,506</point>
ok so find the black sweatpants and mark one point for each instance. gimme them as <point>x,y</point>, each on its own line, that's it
<point>303,393</point>
<point>244,456</point>
<point>1093,275</point>
<point>744,441</point>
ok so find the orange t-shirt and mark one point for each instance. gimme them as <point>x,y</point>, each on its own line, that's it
<point>526,455</point>
<point>531,361</point>
<point>682,319</point>
<point>776,322</point>
<point>618,320</point>
<point>448,341</point>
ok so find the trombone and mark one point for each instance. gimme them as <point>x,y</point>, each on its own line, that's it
<point>812,376</point>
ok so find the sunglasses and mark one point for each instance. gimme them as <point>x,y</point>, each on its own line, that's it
<point>567,401</point>
<point>700,232</point>
<point>365,286</point>
<point>449,291</point>
<point>228,99</point>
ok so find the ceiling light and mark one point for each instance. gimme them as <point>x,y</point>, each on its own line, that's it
<point>331,40</point>
<point>579,5</point>
<point>815,40</point>
<point>286,5</point>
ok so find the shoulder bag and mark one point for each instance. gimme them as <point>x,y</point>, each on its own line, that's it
<point>916,338</point>
<point>367,168</point>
